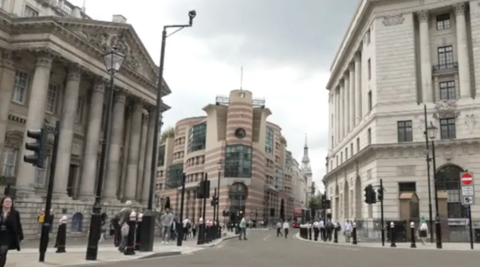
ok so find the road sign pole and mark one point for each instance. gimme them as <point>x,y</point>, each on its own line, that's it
<point>470,225</point>
<point>382,218</point>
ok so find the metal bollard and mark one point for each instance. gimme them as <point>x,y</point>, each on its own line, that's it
<point>309,232</point>
<point>138,231</point>
<point>130,247</point>
<point>335,233</point>
<point>354,233</point>
<point>61,235</point>
<point>392,235</point>
<point>412,235</point>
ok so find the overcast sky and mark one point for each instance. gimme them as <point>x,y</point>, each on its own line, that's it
<point>285,47</point>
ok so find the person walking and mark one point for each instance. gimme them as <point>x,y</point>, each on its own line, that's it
<point>167,223</point>
<point>279,228</point>
<point>11,233</point>
<point>243,229</point>
<point>423,231</point>
<point>286,227</point>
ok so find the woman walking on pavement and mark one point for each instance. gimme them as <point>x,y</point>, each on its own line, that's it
<point>423,231</point>
<point>11,233</point>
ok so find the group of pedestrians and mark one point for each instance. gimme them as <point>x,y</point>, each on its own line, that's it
<point>282,226</point>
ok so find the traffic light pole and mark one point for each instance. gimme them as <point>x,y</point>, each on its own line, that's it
<point>44,237</point>
<point>382,218</point>
<point>180,231</point>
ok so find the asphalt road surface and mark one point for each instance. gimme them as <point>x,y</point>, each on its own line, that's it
<point>264,249</point>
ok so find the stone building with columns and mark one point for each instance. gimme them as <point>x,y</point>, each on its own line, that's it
<point>52,69</point>
<point>233,142</point>
<point>395,58</point>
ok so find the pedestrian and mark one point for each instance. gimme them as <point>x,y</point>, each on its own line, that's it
<point>11,233</point>
<point>167,223</point>
<point>286,227</point>
<point>279,228</point>
<point>104,228</point>
<point>123,219</point>
<point>348,231</point>
<point>329,227</point>
<point>243,229</point>
<point>423,231</point>
<point>321,225</point>
<point>316,230</point>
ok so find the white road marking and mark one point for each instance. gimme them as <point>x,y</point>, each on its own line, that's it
<point>265,238</point>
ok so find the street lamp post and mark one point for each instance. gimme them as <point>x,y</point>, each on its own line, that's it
<point>148,221</point>
<point>219,166</point>
<point>432,133</point>
<point>426,134</point>
<point>113,62</point>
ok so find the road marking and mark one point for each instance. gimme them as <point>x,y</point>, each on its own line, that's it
<point>265,238</point>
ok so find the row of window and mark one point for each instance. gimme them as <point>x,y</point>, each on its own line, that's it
<point>179,155</point>
<point>194,177</point>
<point>195,161</point>
<point>9,165</point>
<point>238,161</point>
<point>447,130</point>
<point>270,164</point>
<point>20,89</point>
<point>269,141</point>
<point>197,137</point>
<point>179,141</point>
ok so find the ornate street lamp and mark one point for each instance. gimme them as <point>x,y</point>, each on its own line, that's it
<point>432,133</point>
<point>113,60</point>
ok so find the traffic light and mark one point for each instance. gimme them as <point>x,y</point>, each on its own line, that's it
<point>214,201</point>
<point>370,196</point>
<point>380,194</point>
<point>328,204</point>
<point>324,201</point>
<point>39,148</point>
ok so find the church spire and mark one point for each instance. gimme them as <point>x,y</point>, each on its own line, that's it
<point>306,169</point>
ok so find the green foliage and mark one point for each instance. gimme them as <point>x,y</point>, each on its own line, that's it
<point>168,132</point>
<point>315,202</point>
<point>283,140</point>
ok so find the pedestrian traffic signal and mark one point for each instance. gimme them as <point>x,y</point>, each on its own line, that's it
<point>380,194</point>
<point>39,148</point>
<point>324,201</point>
<point>214,201</point>
<point>370,195</point>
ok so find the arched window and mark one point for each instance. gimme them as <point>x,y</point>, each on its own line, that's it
<point>77,222</point>
<point>448,180</point>
<point>238,197</point>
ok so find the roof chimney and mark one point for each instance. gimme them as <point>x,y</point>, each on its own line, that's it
<point>119,19</point>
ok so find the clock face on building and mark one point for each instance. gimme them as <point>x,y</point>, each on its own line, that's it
<point>240,133</point>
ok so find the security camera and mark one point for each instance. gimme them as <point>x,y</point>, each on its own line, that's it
<point>192,14</point>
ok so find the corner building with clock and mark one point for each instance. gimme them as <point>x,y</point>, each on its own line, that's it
<point>233,142</point>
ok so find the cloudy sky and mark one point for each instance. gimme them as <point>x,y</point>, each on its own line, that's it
<point>285,47</point>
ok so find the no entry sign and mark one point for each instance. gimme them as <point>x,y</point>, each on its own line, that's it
<point>468,188</point>
<point>466,178</point>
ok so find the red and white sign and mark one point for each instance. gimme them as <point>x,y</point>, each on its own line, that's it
<point>466,178</point>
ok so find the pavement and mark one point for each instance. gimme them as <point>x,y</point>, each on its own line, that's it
<point>264,249</point>
<point>419,245</point>
<point>107,253</point>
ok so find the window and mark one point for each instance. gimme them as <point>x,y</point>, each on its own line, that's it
<point>346,153</point>
<point>443,21</point>
<point>447,90</point>
<point>369,136</point>
<point>52,98</point>
<point>407,187</point>
<point>20,87</point>
<point>370,104</point>
<point>9,162</point>
<point>161,155</point>
<point>174,176</point>
<point>369,69</point>
<point>404,129</point>
<point>197,137</point>
<point>279,178</point>
<point>341,157</point>
<point>351,149</point>
<point>30,12</point>
<point>358,144</point>
<point>238,161</point>
<point>269,140</point>
<point>41,174</point>
<point>445,57</point>
<point>79,112</point>
<point>447,128</point>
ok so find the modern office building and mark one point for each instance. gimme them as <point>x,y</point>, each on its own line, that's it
<point>52,69</point>
<point>235,143</point>
<point>396,57</point>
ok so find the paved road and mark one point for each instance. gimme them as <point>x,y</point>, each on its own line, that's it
<point>263,249</point>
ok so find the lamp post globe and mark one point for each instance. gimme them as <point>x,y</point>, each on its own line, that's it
<point>432,131</point>
<point>191,15</point>
<point>113,60</point>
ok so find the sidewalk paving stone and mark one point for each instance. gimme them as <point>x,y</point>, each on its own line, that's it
<point>419,245</point>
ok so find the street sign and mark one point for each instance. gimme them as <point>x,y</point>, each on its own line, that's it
<point>468,188</point>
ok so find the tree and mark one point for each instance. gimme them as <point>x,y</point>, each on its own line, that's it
<point>315,202</point>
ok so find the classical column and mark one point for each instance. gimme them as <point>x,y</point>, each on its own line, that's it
<point>337,115</point>
<point>462,50</point>
<point>67,121</point>
<point>7,81</point>
<point>425,62</point>
<point>346,96</point>
<point>148,155</point>
<point>133,151</point>
<point>92,141</point>
<point>351,98</point>
<point>113,172</point>
<point>124,157</point>
<point>35,116</point>
<point>141,158</point>
<point>342,111</point>
<point>358,89</point>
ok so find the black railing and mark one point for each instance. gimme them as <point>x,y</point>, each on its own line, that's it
<point>445,67</point>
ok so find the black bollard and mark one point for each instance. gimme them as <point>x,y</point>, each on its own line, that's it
<point>117,232</point>
<point>354,233</point>
<point>201,233</point>
<point>315,233</point>
<point>309,232</point>
<point>130,247</point>
<point>412,235</point>
<point>335,233</point>
<point>138,231</point>
<point>392,235</point>
<point>61,235</point>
